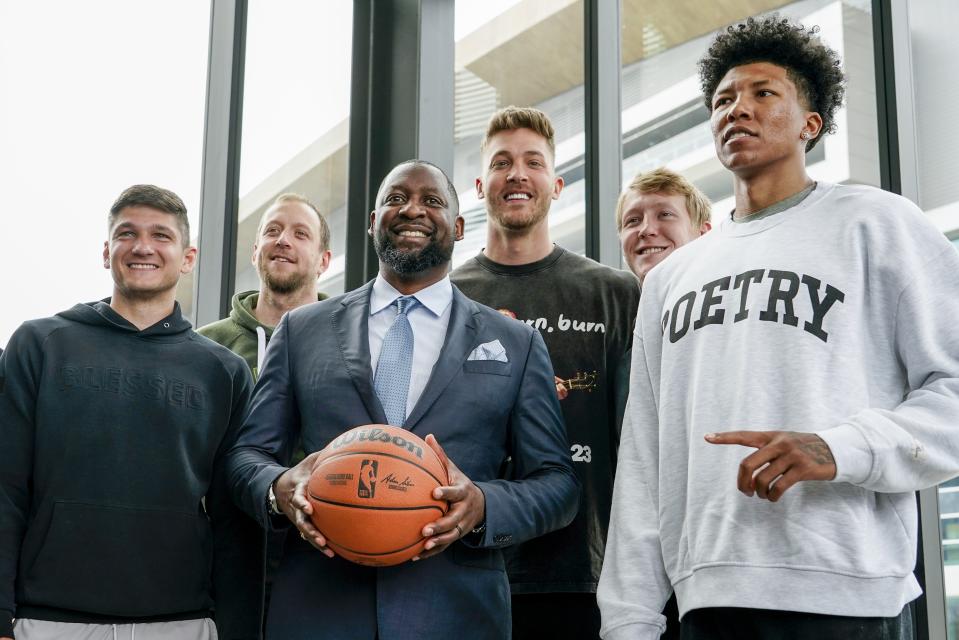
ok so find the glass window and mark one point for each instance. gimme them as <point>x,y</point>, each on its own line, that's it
<point>524,54</point>
<point>87,112</point>
<point>666,124</point>
<point>934,48</point>
<point>296,106</point>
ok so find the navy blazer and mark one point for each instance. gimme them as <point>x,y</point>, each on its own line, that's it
<point>316,382</point>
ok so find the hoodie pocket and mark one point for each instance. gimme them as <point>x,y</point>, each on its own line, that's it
<point>122,561</point>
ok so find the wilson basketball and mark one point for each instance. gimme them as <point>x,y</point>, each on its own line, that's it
<point>372,494</point>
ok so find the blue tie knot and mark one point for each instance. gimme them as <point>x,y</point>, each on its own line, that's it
<point>404,304</point>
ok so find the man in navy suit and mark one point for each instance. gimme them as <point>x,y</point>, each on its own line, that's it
<point>477,382</point>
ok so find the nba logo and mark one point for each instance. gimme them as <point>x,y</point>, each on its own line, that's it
<point>366,488</point>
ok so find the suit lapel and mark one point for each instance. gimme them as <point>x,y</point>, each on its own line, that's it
<point>460,339</point>
<point>351,325</point>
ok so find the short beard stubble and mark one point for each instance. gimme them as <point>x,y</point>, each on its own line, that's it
<point>407,263</point>
<point>280,285</point>
<point>518,223</point>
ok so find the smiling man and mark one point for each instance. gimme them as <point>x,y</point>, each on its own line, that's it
<point>795,378</point>
<point>659,212</point>
<point>407,349</point>
<point>291,251</point>
<point>584,311</point>
<point>113,415</point>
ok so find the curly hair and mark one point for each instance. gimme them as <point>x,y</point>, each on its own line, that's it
<point>813,67</point>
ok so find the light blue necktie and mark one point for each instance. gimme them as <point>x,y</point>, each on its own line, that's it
<point>392,379</point>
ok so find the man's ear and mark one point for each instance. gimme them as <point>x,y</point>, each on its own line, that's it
<point>558,185</point>
<point>189,260</point>
<point>106,254</point>
<point>459,226</point>
<point>813,124</point>
<point>324,262</point>
<point>704,227</point>
<point>372,222</point>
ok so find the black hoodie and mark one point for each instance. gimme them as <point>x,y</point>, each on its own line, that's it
<point>109,443</point>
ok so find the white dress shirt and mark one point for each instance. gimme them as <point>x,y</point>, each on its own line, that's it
<point>429,320</point>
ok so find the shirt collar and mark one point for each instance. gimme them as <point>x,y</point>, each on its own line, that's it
<point>435,297</point>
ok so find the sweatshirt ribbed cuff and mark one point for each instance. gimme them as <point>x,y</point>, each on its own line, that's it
<point>638,631</point>
<point>851,452</point>
<point>6,623</point>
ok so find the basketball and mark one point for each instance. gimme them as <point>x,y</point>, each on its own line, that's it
<point>372,494</point>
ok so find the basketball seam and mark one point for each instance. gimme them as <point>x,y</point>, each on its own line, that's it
<point>388,455</point>
<point>367,553</point>
<point>371,507</point>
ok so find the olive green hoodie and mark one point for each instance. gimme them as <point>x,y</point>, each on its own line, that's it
<point>241,332</point>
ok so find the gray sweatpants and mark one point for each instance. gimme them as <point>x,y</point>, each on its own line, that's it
<point>202,629</point>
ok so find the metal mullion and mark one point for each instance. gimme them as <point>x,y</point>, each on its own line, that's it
<point>886,96</point>
<point>604,153</point>
<point>934,591</point>
<point>219,193</point>
<point>359,199</point>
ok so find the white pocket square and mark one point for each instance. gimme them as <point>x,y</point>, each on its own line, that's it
<point>489,351</point>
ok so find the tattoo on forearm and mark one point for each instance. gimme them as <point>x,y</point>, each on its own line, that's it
<point>818,451</point>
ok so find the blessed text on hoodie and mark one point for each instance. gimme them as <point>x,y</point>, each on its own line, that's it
<point>111,439</point>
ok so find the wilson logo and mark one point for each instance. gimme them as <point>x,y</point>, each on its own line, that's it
<point>376,435</point>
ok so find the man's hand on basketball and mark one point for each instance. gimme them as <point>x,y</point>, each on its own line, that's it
<point>290,491</point>
<point>782,459</point>
<point>467,507</point>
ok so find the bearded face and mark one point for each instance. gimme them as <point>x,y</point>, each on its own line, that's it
<point>410,260</point>
<point>413,227</point>
<point>287,255</point>
<point>519,183</point>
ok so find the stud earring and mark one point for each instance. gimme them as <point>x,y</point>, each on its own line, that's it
<point>804,135</point>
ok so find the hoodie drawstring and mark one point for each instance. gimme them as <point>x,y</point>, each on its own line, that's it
<point>133,632</point>
<point>260,347</point>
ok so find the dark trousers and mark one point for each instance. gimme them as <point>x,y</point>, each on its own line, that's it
<point>728,623</point>
<point>569,615</point>
<point>557,616</point>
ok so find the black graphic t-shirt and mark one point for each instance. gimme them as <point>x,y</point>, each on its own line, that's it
<point>585,312</point>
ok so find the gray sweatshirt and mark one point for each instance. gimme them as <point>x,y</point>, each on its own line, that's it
<point>834,317</point>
